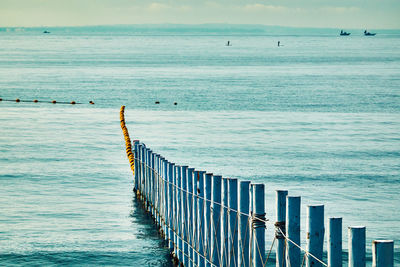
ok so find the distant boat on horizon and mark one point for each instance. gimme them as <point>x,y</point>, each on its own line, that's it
<point>343,33</point>
<point>46,32</point>
<point>368,33</point>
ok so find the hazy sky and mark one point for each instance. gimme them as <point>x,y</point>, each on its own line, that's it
<point>300,13</point>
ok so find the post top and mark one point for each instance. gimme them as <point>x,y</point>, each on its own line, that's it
<point>382,241</point>
<point>282,190</point>
<point>356,227</point>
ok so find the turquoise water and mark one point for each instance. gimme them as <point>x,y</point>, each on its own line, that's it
<point>318,116</point>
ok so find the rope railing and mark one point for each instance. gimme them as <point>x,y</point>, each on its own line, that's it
<point>208,220</point>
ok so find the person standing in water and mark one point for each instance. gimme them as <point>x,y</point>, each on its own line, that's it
<point>279,43</point>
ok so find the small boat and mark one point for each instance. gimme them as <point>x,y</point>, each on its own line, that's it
<point>343,33</point>
<point>46,32</point>
<point>368,33</point>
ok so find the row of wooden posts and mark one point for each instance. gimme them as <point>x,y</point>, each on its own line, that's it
<point>208,220</point>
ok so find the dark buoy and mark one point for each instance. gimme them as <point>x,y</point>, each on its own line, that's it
<point>175,103</point>
<point>35,101</point>
<point>91,102</point>
<point>157,102</point>
<point>1,99</point>
<point>73,102</point>
<point>17,100</point>
<point>53,101</point>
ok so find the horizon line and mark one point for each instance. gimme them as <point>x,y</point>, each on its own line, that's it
<point>192,24</point>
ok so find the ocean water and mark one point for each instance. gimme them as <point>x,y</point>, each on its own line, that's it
<point>319,116</point>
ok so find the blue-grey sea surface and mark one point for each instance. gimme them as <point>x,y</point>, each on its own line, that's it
<point>319,116</point>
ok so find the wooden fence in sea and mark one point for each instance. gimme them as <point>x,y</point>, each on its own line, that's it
<point>209,220</point>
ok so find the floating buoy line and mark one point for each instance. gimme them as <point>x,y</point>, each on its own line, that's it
<point>17,100</point>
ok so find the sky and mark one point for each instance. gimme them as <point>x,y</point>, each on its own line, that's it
<point>369,14</point>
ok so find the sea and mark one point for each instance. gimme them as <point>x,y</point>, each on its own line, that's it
<point>319,116</point>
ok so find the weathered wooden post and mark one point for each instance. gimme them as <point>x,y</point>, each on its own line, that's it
<point>280,227</point>
<point>152,178</point>
<point>258,224</point>
<point>191,193</point>
<point>224,222</point>
<point>184,216</point>
<point>382,253</point>
<point>140,172</point>
<point>201,217</point>
<point>164,192</point>
<point>143,170</point>
<point>146,178</point>
<point>293,204</point>
<point>196,220</point>
<point>158,194</point>
<point>170,195</point>
<point>357,246</point>
<point>178,219</point>
<point>233,223</point>
<point>315,234</point>
<point>207,224</point>
<point>215,229</point>
<point>335,242</point>
<point>137,167</point>
<point>244,223</point>
<point>173,214</point>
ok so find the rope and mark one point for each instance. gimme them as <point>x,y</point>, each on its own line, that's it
<point>280,227</point>
<point>257,220</point>
<point>261,220</point>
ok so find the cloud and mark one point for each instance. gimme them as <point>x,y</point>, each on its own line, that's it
<point>340,9</point>
<point>158,6</point>
<point>262,7</point>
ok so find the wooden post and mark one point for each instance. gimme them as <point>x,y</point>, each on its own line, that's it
<point>224,222</point>
<point>357,246</point>
<point>178,219</point>
<point>191,193</point>
<point>140,165</point>
<point>215,229</point>
<point>184,218</point>
<point>207,224</point>
<point>315,234</point>
<point>293,204</point>
<point>164,191</point>
<point>196,220</point>
<point>137,168</point>
<point>233,223</point>
<point>170,196</point>
<point>152,178</point>
<point>158,189</point>
<point>335,242</point>
<point>382,253</point>
<point>258,224</point>
<point>174,212</point>
<point>143,176</point>
<point>201,217</point>
<point>244,223</point>
<point>280,225</point>
<point>146,179</point>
